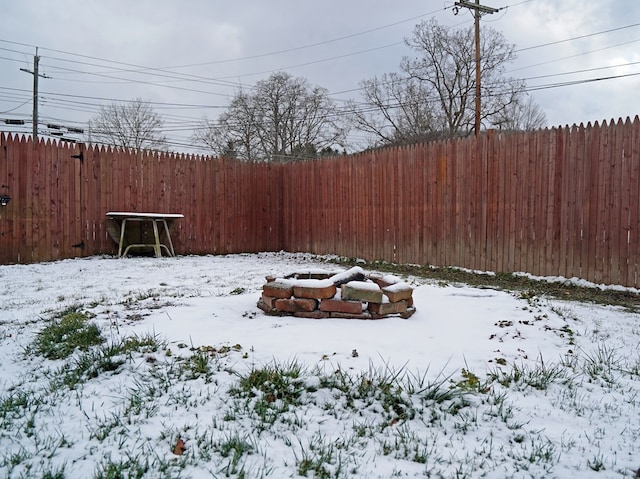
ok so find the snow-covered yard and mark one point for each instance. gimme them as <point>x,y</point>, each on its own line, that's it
<point>477,383</point>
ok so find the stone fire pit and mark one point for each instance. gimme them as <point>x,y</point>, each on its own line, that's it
<point>348,294</point>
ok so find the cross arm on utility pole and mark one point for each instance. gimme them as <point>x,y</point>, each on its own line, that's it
<point>476,6</point>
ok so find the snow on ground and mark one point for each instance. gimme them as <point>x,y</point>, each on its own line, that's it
<point>585,422</point>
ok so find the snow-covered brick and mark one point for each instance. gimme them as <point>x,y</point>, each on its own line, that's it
<point>384,281</point>
<point>391,279</point>
<point>354,274</point>
<point>388,308</point>
<point>362,291</point>
<point>278,288</point>
<point>398,291</point>
<point>314,288</point>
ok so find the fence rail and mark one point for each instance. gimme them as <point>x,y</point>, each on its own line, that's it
<point>553,202</point>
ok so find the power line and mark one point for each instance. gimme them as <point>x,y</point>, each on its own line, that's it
<point>576,55</point>
<point>184,77</point>
<point>577,38</point>
<point>208,80</point>
<point>187,126</point>
<point>261,55</point>
<point>13,109</point>
<point>398,105</point>
<point>72,105</point>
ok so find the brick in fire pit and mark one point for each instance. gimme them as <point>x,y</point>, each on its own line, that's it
<point>362,291</point>
<point>295,305</point>
<point>340,306</point>
<point>388,308</point>
<point>278,289</point>
<point>314,288</point>
<point>398,291</point>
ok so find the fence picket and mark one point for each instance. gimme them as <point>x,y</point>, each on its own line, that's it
<point>616,222</point>
<point>634,207</point>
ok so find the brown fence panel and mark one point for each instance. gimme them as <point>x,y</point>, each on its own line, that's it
<point>561,201</point>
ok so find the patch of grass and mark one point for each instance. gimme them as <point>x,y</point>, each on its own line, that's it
<point>319,458</point>
<point>9,461</point>
<point>436,391</point>
<point>385,386</point>
<point>15,404</point>
<point>68,331</point>
<point>198,365</point>
<point>57,473</point>
<point>129,468</point>
<point>537,450</point>
<point>408,445</point>
<point>234,447</point>
<point>103,359</point>
<point>13,401</point>
<point>281,383</point>
<point>146,343</point>
<point>538,377</point>
<point>601,363</point>
<point>500,408</point>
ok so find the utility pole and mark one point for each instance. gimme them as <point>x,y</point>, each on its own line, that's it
<point>478,10</point>
<point>36,75</point>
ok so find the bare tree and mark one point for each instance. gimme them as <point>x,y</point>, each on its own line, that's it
<point>131,124</point>
<point>281,118</point>
<point>524,114</point>
<point>233,134</point>
<point>446,64</point>
<point>434,95</point>
<point>395,111</point>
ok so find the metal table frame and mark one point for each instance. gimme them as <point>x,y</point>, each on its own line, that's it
<point>154,219</point>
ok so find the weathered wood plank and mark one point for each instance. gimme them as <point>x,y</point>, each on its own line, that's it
<point>633,278</point>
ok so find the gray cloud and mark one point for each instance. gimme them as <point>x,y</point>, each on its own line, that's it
<point>209,48</point>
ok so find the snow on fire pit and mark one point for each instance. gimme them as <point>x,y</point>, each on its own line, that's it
<point>348,294</point>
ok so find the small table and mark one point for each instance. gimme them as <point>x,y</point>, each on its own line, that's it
<point>154,219</point>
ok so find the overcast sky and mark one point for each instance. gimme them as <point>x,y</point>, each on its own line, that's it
<point>189,57</point>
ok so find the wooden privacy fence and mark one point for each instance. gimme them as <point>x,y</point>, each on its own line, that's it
<point>554,202</point>
<point>60,194</point>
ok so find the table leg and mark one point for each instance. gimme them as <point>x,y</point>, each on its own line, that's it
<point>166,230</point>
<point>122,227</point>
<point>156,236</point>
